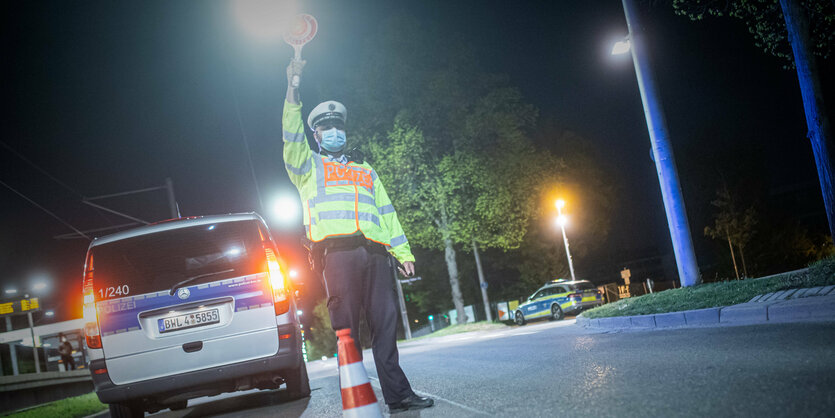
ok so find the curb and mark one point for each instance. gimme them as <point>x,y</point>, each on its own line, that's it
<point>770,308</point>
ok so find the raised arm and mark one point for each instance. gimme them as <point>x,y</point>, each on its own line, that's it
<point>298,158</point>
<point>295,68</point>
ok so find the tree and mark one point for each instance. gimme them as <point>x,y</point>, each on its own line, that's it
<point>732,224</point>
<point>425,189</point>
<point>796,30</point>
<point>449,141</point>
<point>438,196</point>
<point>502,196</point>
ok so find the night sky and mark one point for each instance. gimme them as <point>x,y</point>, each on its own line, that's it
<point>108,97</point>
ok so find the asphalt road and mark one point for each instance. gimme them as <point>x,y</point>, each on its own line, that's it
<point>558,369</point>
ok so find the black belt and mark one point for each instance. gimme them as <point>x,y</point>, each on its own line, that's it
<point>317,250</point>
<point>351,242</point>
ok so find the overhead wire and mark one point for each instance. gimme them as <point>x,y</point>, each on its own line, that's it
<point>77,231</point>
<point>36,167</point>
<point>51,177</point>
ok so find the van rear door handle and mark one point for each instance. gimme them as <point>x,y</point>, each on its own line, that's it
<point>193,346</point>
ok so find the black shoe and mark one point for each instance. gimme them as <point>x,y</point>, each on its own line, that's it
<point>410,403</point>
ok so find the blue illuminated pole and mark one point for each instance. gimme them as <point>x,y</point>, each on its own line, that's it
<point>662,152</point>
<point>820,131</point>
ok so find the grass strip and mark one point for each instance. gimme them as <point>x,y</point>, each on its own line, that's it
<point>461,328</point>
<point>711,295</point>
<point>75,407</point>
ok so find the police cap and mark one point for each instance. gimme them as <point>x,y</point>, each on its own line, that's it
<point>325,111</point>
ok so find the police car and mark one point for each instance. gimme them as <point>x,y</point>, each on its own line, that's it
<point>188,308</point>
<point>557,298</point>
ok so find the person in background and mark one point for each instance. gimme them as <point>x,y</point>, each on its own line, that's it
<point>65,350</point>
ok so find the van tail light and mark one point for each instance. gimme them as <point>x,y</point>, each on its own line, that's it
<point>576,296</point>
<point>92,334</point>
<point>278,282</point>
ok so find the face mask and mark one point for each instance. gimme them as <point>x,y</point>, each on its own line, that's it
<point>333,140</point>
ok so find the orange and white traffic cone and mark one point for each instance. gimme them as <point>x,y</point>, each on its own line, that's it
<point>358,400</point>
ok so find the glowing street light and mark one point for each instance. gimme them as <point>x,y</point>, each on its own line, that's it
<point>562,220</point>
<point>293,274</point>
<point>11,291</point>
<point>285,209</point>
<point>621,47</point>
<point>264,19</point>
<point>39,284</point>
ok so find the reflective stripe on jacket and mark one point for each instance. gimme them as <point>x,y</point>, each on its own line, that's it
<point>339,199</point>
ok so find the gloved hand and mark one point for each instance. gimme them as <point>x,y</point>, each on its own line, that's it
<point>295,68</point>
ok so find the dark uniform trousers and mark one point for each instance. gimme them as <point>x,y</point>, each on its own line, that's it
<point>359,279</point>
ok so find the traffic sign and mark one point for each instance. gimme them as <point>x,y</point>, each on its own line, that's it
<point>303,31</point>
<point>625,274</point>
<point>18,307</point>
<point>503,309</point>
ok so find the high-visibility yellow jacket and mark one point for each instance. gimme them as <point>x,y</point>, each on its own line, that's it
<point>339,199</point>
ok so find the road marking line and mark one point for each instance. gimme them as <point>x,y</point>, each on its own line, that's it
<point>376,383</point>
<point>526,333</point>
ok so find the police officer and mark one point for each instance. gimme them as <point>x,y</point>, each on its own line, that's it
<point>352,228</point>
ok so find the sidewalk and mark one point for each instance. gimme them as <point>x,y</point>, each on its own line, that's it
<point>794,305</point>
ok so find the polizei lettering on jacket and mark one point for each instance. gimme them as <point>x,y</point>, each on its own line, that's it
<point>337,174</point>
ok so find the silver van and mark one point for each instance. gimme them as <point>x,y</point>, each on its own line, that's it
<point>187,308</point>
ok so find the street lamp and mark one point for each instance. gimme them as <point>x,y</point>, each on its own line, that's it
<point>621,47</point>
<point>662,150</point>
<point>562,220</point>
<point>285,209</point>
<point>265,20</point>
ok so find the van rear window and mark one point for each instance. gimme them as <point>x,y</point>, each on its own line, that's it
<point>158,261</point>
<point>583,286</point>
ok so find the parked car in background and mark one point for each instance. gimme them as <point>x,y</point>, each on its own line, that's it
<point>556,299</point>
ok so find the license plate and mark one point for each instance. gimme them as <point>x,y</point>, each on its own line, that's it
<point>189,320</point>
